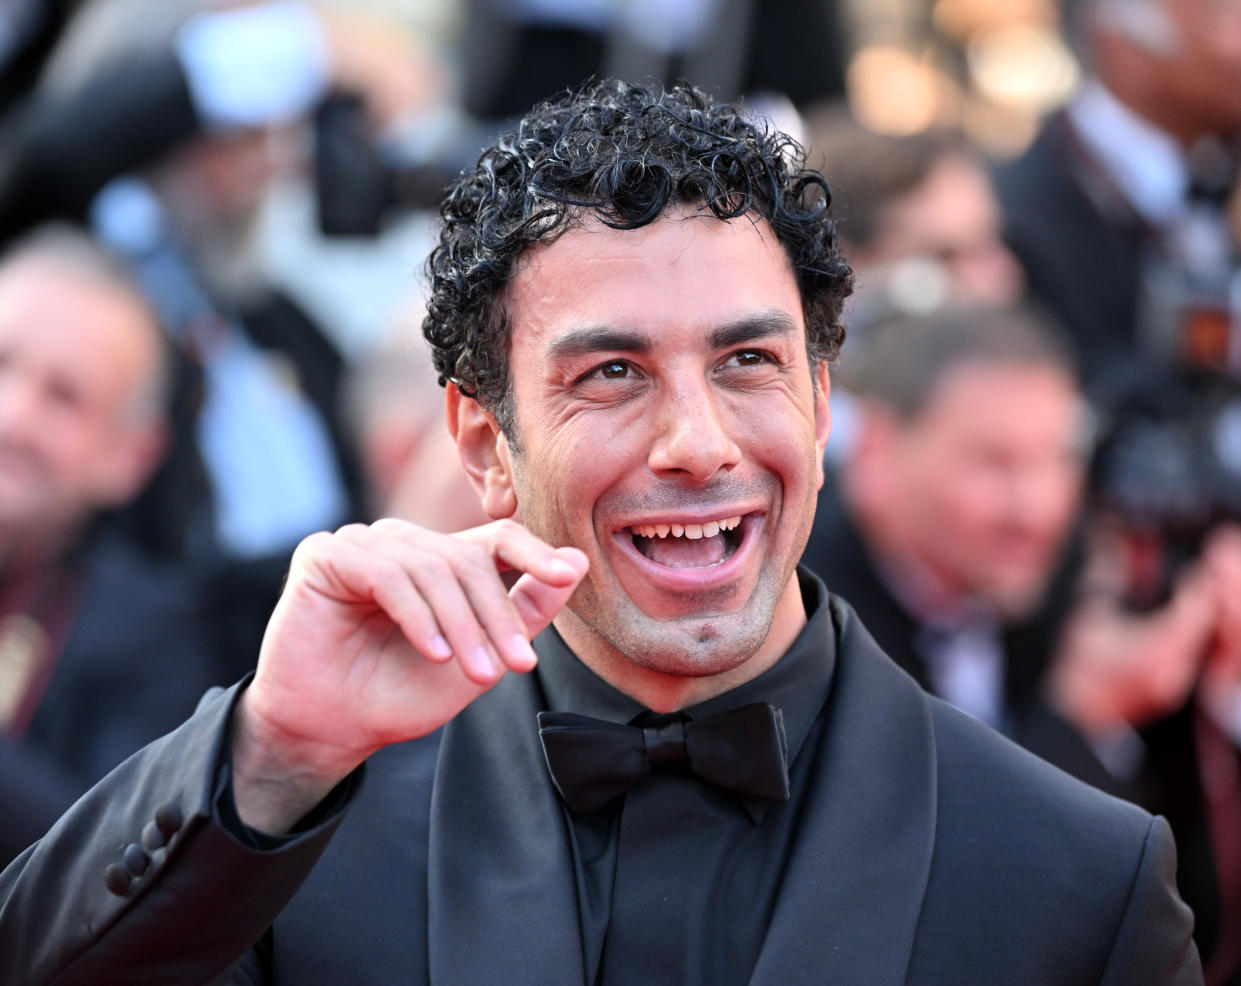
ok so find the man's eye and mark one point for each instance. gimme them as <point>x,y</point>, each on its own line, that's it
<point>748,357</point>
<point>619,371</point>
<point>614,370</point>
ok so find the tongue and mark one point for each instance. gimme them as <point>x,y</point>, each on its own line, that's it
<point>682,552</point>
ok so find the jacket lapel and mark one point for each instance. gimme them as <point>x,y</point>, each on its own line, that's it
<point>500,880</point>
<point>501,889</point>
<point>849,908</point>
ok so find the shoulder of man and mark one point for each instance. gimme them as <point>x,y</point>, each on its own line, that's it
<point>1032,871</point>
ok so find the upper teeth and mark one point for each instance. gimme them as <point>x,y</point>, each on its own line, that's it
<point>691,531</point>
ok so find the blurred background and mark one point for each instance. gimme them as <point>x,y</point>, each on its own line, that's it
<point>345,215</point>
<point>992,69</point>
<point>214,215</point>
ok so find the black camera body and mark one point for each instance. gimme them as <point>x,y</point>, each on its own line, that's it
<point>1166,471</point>
<point>360,182</point>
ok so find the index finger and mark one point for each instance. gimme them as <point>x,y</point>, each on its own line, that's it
<point>515,548</point>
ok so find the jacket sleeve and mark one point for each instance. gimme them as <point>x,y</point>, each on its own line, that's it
<point>1153,943</point>
<point>144,881</point>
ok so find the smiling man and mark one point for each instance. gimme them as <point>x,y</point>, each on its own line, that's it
<point>674,432</point>
<point>703,771</point>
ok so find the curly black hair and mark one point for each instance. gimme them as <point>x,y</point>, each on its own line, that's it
<point>624,154</point>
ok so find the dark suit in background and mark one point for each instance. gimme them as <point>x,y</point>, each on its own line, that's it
<point>133,664</point>
<point>1080,242</point>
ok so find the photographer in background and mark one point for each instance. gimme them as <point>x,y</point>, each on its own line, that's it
<point>113,101</point>
<point>1149,661</point>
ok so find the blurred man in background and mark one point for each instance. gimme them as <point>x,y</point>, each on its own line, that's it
<point>920,224</point>
<point>919,218</point>
<point>945,521</point>
<point>100,649</point>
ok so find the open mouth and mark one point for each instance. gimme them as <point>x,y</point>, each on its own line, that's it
<point>688,545</point>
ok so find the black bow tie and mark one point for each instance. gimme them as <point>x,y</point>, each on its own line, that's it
<point>592,761</point>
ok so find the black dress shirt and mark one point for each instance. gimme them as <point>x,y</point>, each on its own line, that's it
<point>677,880</point>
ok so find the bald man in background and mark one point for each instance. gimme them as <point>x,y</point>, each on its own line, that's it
<point>100,649</point>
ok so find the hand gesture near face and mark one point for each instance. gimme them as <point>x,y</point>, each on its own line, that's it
<point>383,634</point>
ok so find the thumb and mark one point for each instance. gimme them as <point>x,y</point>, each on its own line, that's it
<point>537,602</point>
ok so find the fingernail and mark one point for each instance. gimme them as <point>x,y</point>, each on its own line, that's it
<point>482,661</point>
<point>439,647</point>
<point>563,568</point>
<point>522,651</point>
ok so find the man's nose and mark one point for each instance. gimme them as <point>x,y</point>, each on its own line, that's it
<point>694,433</point>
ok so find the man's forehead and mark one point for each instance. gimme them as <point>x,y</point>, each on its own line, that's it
<point>980,394</point>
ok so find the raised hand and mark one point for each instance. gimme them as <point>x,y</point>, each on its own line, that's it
<point>383,634</point>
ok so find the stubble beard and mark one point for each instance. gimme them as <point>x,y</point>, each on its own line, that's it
<point>696,646</point>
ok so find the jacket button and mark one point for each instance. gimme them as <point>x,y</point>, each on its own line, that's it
<point>136,860</point>
<point>117,879</point>
<point>168,819</point>
<point>152,837</point>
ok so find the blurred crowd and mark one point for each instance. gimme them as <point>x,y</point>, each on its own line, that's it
<point>212,221</point>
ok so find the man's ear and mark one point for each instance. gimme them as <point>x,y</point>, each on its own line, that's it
<point>822,412</point>
<point>484,452</point>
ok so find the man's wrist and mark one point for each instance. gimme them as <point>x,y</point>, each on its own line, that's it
<point>278,779</point>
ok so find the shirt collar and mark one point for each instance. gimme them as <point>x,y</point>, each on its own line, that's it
<point>1147,164</point>
<point>797,684</point>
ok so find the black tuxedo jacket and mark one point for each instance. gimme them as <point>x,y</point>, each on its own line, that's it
<point>930,851</point>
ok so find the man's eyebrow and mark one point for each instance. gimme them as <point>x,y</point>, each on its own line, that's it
<point>760,325</point>
<point>605,338</point>
<point>595,339</point>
